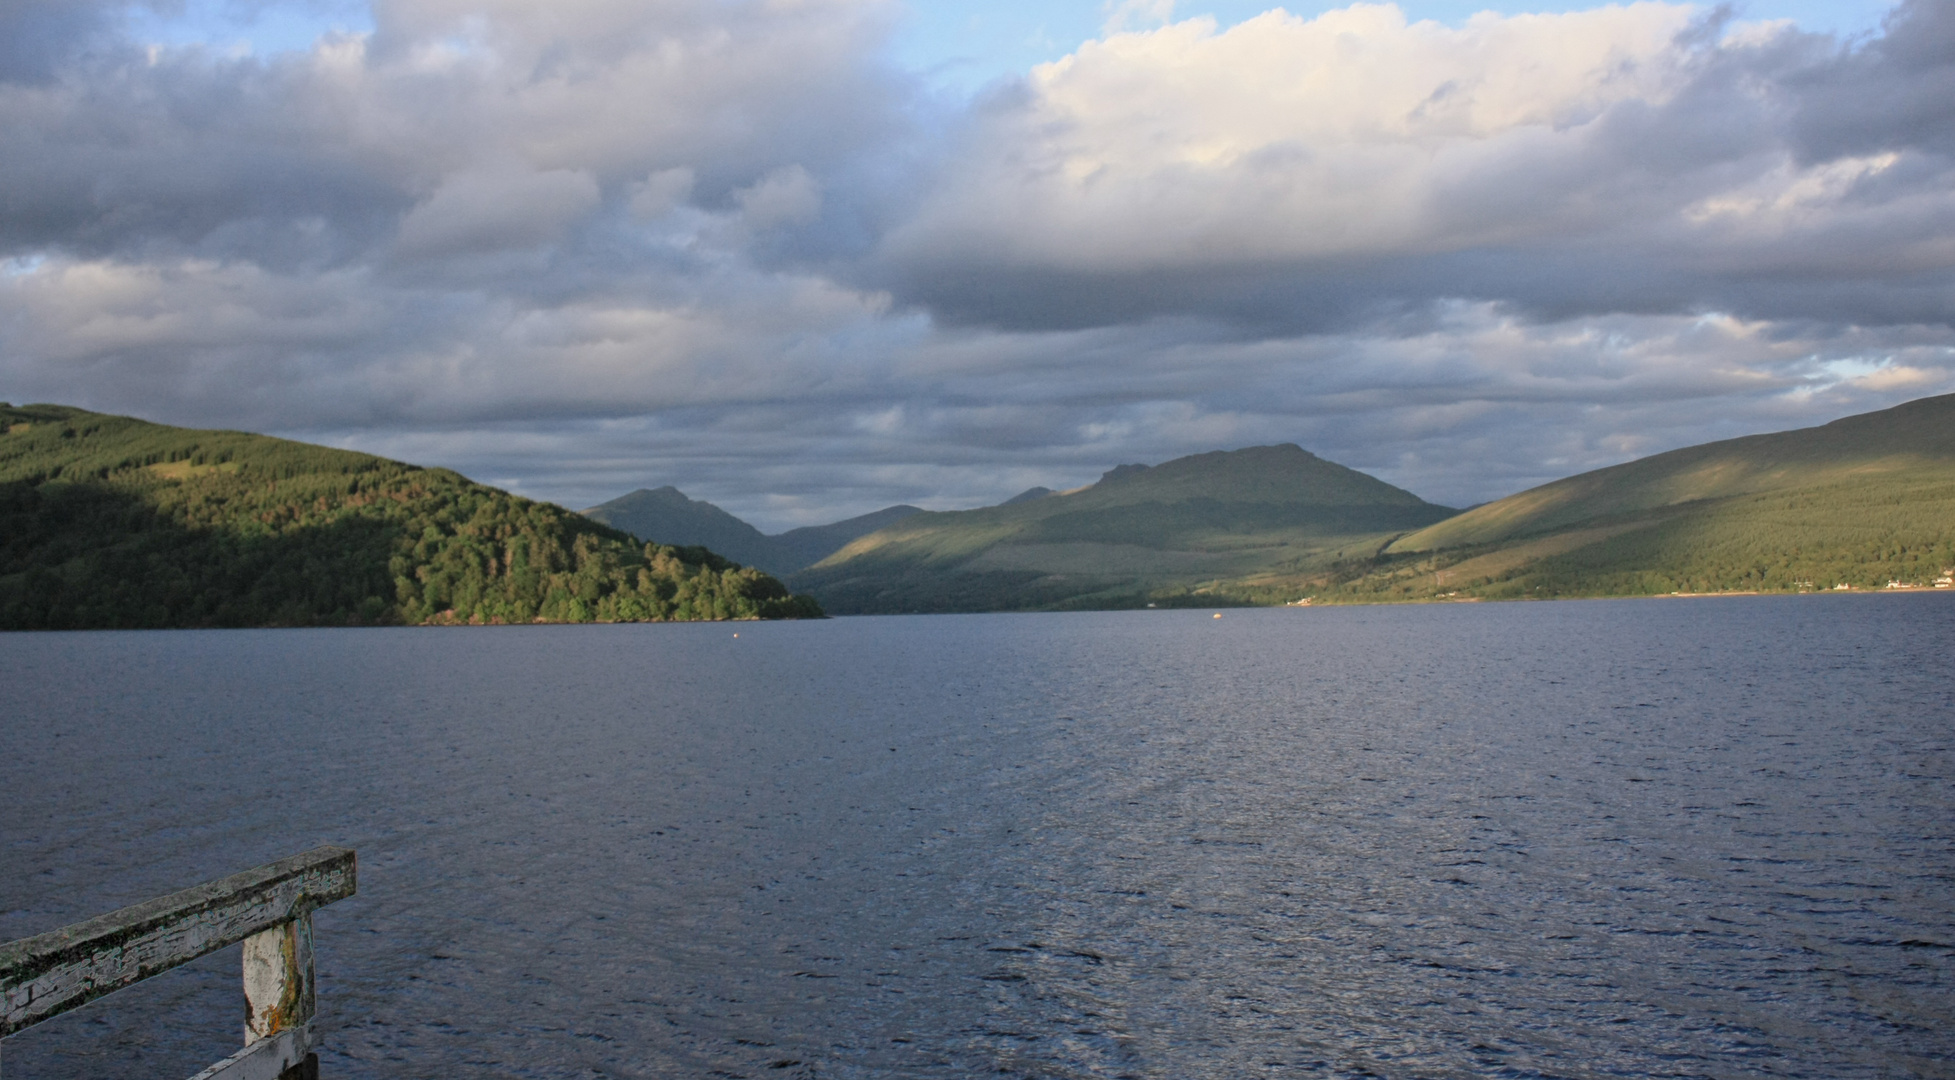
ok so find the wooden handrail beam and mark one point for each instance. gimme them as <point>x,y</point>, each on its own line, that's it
<point>50,973</point>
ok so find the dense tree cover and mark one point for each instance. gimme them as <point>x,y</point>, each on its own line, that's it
<point>113,522</point>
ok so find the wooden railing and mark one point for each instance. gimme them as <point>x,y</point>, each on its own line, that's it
<point>269,909</point>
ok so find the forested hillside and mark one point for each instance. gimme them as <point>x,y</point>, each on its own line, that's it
<point>109,521</point>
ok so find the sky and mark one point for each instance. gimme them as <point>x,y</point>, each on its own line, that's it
<point>810,258</point>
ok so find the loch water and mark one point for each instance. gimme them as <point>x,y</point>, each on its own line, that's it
<point>1666,838</point>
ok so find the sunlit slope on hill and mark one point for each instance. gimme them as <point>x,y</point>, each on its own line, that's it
<point>1860,502</point>
<point>1175,533</point>
<point>108,521</point>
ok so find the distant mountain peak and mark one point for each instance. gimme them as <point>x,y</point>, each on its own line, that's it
<point>666,494</point>
<point>1142,529</point>
<point>667,515</point>
<point>1283,473</point>
<point>1027,496</point>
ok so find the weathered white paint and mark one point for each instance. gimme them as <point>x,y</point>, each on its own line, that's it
<point>266,1059</point>
<point>278,979</point>
<point>53,972</point>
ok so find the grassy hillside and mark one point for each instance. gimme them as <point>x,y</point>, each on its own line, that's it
<point>1859,502</point>
<point>1202,529</point>
<point>108,521</point>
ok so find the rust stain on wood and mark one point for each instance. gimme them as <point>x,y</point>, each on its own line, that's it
<point>278,979</point>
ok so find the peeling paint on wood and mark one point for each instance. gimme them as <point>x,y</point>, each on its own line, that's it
<point>278,979</point>
<point>50,973</point>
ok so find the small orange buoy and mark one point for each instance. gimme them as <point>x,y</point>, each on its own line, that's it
<point>736,635</point>
<point>1218,614</point>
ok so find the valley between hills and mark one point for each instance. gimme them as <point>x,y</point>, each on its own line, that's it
<point>1864,503</point>
<point>116,522</point>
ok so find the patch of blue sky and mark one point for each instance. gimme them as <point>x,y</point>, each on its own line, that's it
<point>959,45</point>
<point>1856,367</point>
<point>21,265</point>
<point>962,45</point>
<point>247,27</point>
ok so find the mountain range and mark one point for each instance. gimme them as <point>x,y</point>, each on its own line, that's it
<point>1855,504</point>
<point>110,521</point>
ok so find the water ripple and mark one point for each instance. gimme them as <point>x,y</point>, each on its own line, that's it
<point>1526,840</point>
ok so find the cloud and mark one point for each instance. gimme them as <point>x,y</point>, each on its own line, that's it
<point>660,193</point>
<point>1480,405</point>
<point>1899,90</point>
<point>38,36</point>
<point>132,151</point>
<point>586,246</point>
<point>1296,174</point>
<point>489,210</point>
<point>786,195</point>
<point>222,340</point>
<point>1121,14</point>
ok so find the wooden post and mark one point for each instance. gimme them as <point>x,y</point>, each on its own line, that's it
<point>269,909</point>
<point>278,992</point>
<point>278,979</point>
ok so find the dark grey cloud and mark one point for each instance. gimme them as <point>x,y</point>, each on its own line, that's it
<point>38,37</point>
<point>1896,91</point>
<point>591,245</point>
